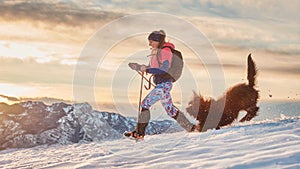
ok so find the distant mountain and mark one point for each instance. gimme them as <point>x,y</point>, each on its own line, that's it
<point>47,100</point>
<point>29,124</point>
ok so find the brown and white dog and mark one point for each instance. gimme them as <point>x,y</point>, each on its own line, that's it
<point>217,113</point>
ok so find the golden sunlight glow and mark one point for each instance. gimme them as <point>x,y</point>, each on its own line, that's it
<point>52,47</point>
<point>22,51</point>
<point>17,90</point>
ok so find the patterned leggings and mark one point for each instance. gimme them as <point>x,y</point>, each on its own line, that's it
<point>161,92</point>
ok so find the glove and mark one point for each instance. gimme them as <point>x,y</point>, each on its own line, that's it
<point>134,66</point>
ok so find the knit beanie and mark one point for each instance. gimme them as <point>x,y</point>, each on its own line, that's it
<point>157,36</point>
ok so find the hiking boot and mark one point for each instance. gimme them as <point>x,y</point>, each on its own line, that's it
<point>139,132</point>
<point>197,128</point>
<point>184,122</point>
<point>143,120</point>
<point>133,134</point>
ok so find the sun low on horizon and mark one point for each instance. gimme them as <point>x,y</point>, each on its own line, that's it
<point>42,43</point>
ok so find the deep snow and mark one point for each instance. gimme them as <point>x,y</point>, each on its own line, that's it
<point>264,144</point>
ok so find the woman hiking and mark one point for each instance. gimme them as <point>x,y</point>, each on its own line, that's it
<point>160,62</point>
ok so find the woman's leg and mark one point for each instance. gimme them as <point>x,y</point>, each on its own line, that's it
<point>172,111</point>
<point>153,97</point>
<point>144,115</point>
<point>166,100</point>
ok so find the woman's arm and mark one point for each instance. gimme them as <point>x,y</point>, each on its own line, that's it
<point>161,70</point>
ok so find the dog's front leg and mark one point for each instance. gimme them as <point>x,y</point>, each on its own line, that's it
<point>251,112</point>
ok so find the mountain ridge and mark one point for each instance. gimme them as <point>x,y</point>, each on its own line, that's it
<point>33,123</point>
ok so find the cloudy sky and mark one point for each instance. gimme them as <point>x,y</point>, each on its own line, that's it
<point>42,43</point>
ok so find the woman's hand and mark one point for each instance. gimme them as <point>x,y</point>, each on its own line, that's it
<point>137,67</point>
<point>143,68</point>
<point>134,66</point>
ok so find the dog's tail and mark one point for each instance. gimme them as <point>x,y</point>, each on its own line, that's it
<point>251,72</point>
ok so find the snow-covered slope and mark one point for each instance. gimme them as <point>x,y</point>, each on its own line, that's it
<point>76,136</point>
<point>266,144</point>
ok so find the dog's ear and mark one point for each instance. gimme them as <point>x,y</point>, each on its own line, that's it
<point>200,96</point>
<point>203,99</point>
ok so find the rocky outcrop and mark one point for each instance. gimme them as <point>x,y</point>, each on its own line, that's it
<point>30,124</point>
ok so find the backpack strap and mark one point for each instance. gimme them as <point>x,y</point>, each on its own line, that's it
<point>157,58</point>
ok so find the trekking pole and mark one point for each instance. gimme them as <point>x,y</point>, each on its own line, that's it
<point>140,73</point>
<point>141,91</point>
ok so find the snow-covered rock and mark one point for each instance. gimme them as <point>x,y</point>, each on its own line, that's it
<point>29,124</point>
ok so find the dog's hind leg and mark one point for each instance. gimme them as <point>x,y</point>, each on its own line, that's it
<point>251,112</point>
